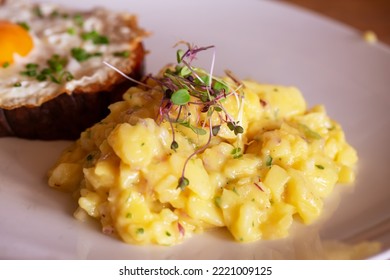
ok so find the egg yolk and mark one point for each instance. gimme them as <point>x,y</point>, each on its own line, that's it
<point>13,39</point>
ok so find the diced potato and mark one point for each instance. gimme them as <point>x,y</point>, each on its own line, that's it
<point>136,145</point>
<point>204,210</point>
<point>198,177</point>
<point>280,219</point>
<point>66,176</point>
<point>276,180</point>
<point>245,228</point>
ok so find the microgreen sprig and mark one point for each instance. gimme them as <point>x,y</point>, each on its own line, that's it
<point>185,85</point>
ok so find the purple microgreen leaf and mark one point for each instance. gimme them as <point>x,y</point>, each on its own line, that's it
<point>183,182</point>
<point>174,145</point>
<point>238,129</point>
<point>215,130</point>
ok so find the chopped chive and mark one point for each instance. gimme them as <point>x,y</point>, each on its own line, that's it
<point>17,84</point>
<point>78,19</point>
<point>71,31</point>
<point>268,161</point>
<point>236,152</point>
<point>95,37</point>
<point>122,54</point>
<point>24,25</point>
<point>319,166</point>
<point>82,55</point>
<point>37,11</point>
<point>6,64</point>
<point>140,231</point>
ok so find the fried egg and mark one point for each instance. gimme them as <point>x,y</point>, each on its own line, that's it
<point>47,49</point>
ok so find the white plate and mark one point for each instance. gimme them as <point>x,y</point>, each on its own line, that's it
<point>263,40</point>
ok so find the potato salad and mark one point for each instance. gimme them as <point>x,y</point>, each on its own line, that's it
<point>186,151</point>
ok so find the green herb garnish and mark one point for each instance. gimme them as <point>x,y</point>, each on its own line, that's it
<point>319,166</point>
<point>81,54</point>
<point>55,70</point>
<point>309,133</point>
<point>122,54</point>
<point>95,37</point>
<point>37,11</point>
<point>140,231</point>
<point>6,64</point>
<point>180,97</point>
<point>236,152</point>
<point>17,84</point>
<point>78,19</point>
<point>268,161</point>
<point>71,31</point>
<point>186,89</point>
<point>24,25</point>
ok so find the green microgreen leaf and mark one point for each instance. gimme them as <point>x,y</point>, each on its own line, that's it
<point>205,80</point>
<point>221,86</point>
<point>230,126</point>
<point>217,108</point>
<point>17,84</point>
<point>180,97</point>
<point>6,64</point>
<point>179,55</point>
<point>238,129</point>
<point>140,231</point>
<point>183,182</point>
<point>197,130</point>
<point>184,71</point>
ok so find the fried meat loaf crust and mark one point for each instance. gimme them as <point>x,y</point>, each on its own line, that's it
<point>67,115</point>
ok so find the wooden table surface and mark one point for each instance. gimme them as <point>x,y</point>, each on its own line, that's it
<point>364,15</point>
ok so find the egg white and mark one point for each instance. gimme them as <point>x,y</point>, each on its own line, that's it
<point>54,35</point>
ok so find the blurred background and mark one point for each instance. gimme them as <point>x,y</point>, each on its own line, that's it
<point>364,15</point>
